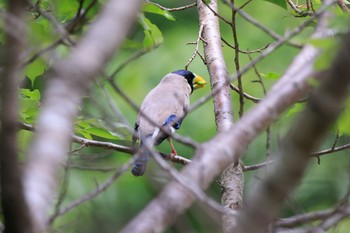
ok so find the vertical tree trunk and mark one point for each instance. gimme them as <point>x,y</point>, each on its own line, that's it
<point>232,179</point>
<point>14,206</point>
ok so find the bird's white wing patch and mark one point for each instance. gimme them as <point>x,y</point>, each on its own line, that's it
<point>155,132</point>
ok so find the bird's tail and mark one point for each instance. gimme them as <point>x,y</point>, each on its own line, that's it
<point>140,164</point>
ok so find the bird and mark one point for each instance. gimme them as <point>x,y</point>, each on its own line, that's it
<point>161,113</point>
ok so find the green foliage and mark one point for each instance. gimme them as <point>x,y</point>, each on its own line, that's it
<point>343,123</point>
<point>95,127</point>
<point>153,36</point>
<point>280,3</point>
<point>35,69</point>
<point>29,105</point>
<point>65,9</point>
<point>40,32</point>
<point>150,8</point>
<point>270,75</point>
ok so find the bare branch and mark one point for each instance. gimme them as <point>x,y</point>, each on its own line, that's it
<point>259,25</point>
<point>300,13</point>
<point>112,146</point>
<point>247,51</point>
<point>173,9</point>
<point>194,54</point>
<point>247,96</point>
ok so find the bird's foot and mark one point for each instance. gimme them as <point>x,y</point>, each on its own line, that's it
<point>173,153</point>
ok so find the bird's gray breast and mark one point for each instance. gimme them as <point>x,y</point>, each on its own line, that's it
<point>168,98</point>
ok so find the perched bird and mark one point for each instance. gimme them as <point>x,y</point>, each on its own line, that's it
<point>161,112</point>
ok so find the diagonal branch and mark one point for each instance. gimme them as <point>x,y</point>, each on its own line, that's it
<point>69,81</point>
<point>306,134</point>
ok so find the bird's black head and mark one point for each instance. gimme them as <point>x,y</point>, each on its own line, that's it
<point>189,76</point>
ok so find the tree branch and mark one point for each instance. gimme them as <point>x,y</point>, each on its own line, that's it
<point>69,81</point>
<point>305,136</point>
<point>232,178</point>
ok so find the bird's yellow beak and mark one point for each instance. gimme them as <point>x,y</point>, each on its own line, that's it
<point>198,82</point>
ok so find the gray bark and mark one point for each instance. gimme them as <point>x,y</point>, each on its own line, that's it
<point>69,81</point>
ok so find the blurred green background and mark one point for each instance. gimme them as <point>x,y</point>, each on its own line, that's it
<point>322,187</point>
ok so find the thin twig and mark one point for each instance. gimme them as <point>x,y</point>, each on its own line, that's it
<point>112,146</point>
<point>132,58</point>
<point>248,51</point>
<point>99,189</point>
<point>264,54</point>
<point>63,192</point>
<point>199,38</point>
<point>300,13</point>
<point>173,9</point>
<point>315,154</point>
<point>268,129</point>
<point>236,60</point>
<point>64,34</point>
<point>247,96</point>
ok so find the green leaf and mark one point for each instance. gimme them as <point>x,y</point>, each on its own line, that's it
<point>153,36</point>
<point>270,75</point>
<point>281,3</point>
<point>150,8</point>
<point>34,95</point>
<point>41,31</point>
<point>343,122</point>
<point>83,124</point>
<point>35,69</point>
<point>65,9</point>
<point>100,133</point>
<point>29,105</point>
<point>131,44</point>
<point>83,133</point>
<point>29,110</point>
